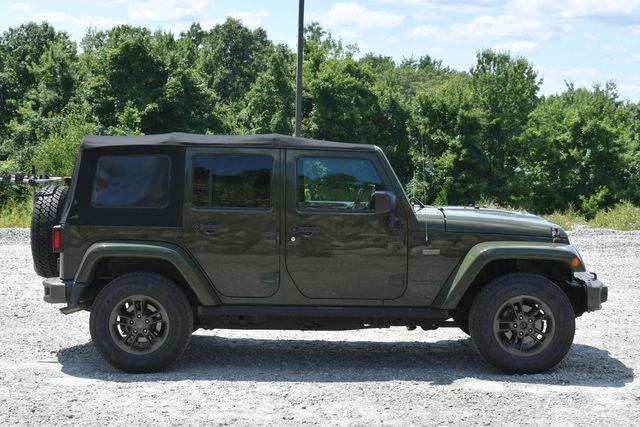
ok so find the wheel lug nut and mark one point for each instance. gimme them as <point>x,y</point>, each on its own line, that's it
<point>146,321</point>
<point>515,325</point>
<point>521,317</point>
<point>144,331</point>
<point>530,330</point>
<point>530,320</point>
<point>131,322</point>
<point>139,316</point>
<point>520,333</point>
<point>135,331</point>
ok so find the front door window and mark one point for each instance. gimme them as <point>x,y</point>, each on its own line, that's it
<point>336,184</point>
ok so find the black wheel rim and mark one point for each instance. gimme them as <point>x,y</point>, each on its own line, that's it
<point>524,326</point>
<point>139,324</point>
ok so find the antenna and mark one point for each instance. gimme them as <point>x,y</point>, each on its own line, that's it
<point>299,68</point>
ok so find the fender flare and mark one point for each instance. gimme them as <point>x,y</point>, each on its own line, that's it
<point>483,253</point>
<point>195,279</point>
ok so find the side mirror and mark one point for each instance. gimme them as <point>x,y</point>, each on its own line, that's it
<point>384,202</point>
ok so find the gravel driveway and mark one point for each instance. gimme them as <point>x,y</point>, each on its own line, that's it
<point>50,373</point>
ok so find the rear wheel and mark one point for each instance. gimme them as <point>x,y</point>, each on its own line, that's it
<point>522,323</point>
<point>141,322</point>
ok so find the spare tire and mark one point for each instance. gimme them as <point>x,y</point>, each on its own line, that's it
<point>47,211</point>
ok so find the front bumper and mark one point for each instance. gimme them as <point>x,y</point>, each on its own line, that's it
<point>595,292</point>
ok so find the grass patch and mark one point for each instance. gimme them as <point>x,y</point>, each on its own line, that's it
<point>624,216</point>
<point>16,214</point>
<point>568,219</point>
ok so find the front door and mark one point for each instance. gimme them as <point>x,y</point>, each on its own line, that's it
<point>231,218</point>
<point>337,246</point>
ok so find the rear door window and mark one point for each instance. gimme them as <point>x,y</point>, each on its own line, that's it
<point>135,181</point>
<point>232,181</point>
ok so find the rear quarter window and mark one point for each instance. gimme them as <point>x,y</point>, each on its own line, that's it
<point>132,181</point>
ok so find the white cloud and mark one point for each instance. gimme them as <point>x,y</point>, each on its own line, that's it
<point>461,6</point>
<point>487,27</point>
<point>252,19</point>
<point>19,7</point>
<point>389,39</point>
<point>168,10</point>
<point>614,48</point>
<point>586,74</point>
<point>608,11</point>
<point>362,45</point>
<point>517,46</point>
<point>67,20</point>
<point>355,16</point>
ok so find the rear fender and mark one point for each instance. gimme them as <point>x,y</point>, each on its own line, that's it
<point>183,263</point>
<point>483,253</point>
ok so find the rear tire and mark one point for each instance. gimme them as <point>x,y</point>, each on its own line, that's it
<point>141,322</point>
<point>522,323</point>
<point>47,211</point>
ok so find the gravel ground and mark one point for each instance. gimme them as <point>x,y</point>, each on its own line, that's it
<point>51,374</point>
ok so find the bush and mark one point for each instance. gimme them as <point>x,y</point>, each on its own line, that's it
<point>16,214</point>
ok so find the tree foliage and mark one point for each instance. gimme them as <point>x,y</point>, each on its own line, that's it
<point>452,136</point>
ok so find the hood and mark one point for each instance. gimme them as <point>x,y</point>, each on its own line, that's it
<point>475,220</point>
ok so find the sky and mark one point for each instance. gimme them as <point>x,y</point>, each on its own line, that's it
<point>578,41</point>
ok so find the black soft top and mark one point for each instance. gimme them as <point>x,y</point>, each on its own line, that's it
<point>188,139</point>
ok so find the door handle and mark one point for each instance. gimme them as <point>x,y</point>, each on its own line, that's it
<point>208,228</point>
<point>305,230</point>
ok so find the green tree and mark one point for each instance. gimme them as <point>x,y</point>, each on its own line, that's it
<point>36,64</point>
<point>56,154</point>
<point>121,68</point>
<point>230,57</point>
<point>505,91</point>
<point>575,145</point>
<point>270,103</point>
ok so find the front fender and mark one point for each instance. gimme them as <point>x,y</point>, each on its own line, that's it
<point>483,253</point>
<point>150,250</point>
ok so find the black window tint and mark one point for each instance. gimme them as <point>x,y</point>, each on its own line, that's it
<point>138,181</point>
<point>201,174</point>
<point>333,183</point>
<point>229,181</point>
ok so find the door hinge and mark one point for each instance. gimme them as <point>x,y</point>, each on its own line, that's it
<point>398,279</point>
<point>271,278</point>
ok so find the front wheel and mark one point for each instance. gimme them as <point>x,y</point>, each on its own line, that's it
<point>141,322</point>
<point>522,323</point>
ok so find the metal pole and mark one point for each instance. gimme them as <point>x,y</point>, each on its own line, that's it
<point>299,68</point>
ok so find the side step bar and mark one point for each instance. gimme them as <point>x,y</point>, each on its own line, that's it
<point>317,318</point>
<point>326,311</point>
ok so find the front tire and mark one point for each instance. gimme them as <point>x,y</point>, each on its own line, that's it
<point>141,322</point>
<point>522,323</point>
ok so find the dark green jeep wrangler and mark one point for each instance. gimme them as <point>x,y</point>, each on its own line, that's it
<point>160,235</point>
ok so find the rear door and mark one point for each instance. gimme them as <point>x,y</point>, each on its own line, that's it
<point>337,246</point>
<point>231,218</point>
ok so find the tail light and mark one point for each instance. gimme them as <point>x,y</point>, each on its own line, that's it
<point>57,238</point>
